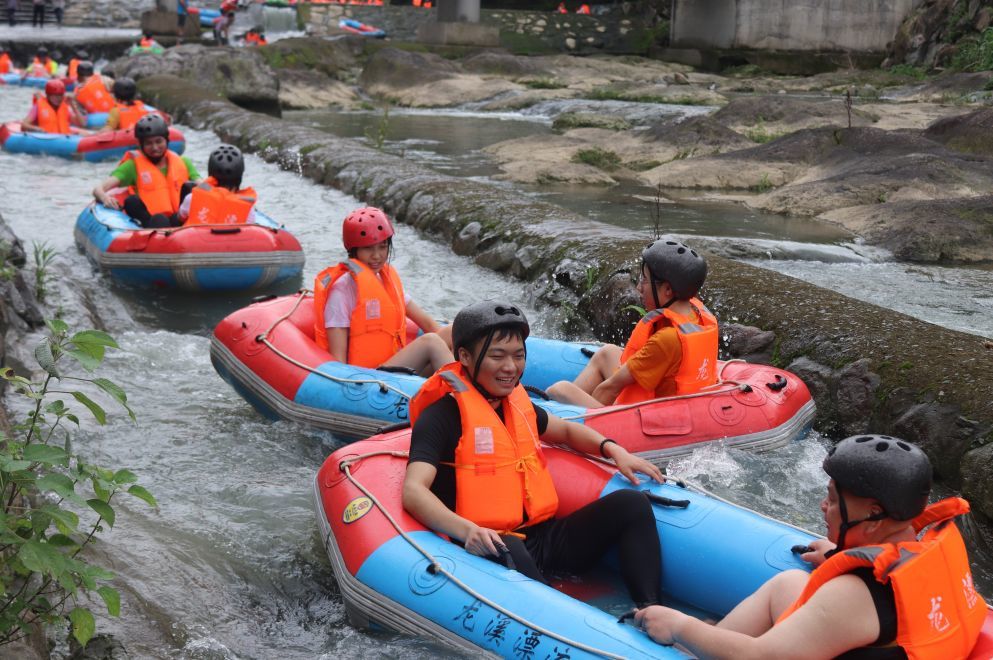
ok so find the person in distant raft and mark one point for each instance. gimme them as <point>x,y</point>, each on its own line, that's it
<point>51,113</point>
<point>672,350</point>
<point>883,588</point>
<point>42,66</point>
<point>361,310</point>
<point>72,69</point>
<point>220,199</point>
<point>127,109</point>
<point>477,472</point>
<point>158,179</point>
<point>91,91</point>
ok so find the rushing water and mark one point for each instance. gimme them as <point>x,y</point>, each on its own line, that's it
<point>230,564</point>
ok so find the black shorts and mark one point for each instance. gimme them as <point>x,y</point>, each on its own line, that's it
<point>181,20</point>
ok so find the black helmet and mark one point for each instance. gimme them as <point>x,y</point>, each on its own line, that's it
<point>478,319</point>
<point>82,55</point>
<point>125,89</point>
<point>673,262</point>
<point>227,165</point>
<point>42,51</point>
<point>891,471</point>
<point>151,125</point>
<point>84,68</point>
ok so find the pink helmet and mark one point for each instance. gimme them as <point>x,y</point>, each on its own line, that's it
<point>55,88</point>
<point>364,227</point>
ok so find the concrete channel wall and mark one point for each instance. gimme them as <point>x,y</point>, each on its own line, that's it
<point>807,25</point>
<point>870,369</point>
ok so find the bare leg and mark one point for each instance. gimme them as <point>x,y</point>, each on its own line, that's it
<point>425,355</point>
<point>758,613</point>
<point>566,392</point>
<point>602,366</point>
<point>446,334</point>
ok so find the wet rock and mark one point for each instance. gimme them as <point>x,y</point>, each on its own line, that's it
<point>11,248</point>
<point>766,116</point>
<point>335,58</point>
<point>855,396</point>
<point>21,301</point>
<point>502,64</point>
<point>935,427</point>
<point>697,136</point>
<point>21,651</point>
<point>976,467</point>
<point>820,381</point>
<point>570,120</point>
<point>526,262</point>
<point>101,647</point>
<point>499,257</point>
<point>391,68</point>
<point>971,133</point>
<point>746,342</point>
<point>609,307</point>
<point>304,90</point>
<point>240,74</point>
<point>468,239</point>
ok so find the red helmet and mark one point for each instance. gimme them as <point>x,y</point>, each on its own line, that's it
<point>364,227</point>
<point>55,88</point>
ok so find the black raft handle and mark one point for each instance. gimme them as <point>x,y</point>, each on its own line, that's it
<point>587,351</point>
<point>225,230</point>
<point>665,501</point>
<point>780,383</point>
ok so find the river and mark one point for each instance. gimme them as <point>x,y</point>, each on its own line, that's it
<point>230,565</point>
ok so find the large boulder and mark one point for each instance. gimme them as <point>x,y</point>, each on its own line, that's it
<point>971,133</point>
<point>332,57</point>
<point>240,74</point>
<point>774,115</point>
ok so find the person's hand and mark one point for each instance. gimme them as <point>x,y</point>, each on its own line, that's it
<point>483,542</point>
<point>628,464</point>
<point>661,623</point>
<point>819,547</point>
<point>110,202</point>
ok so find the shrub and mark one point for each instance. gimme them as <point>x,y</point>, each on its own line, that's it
<point>603,159</point>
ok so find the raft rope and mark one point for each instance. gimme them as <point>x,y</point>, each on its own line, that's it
<point>264,339</point>
<point>736,387</point>
<point>435,567</point>
<point>384,386</point>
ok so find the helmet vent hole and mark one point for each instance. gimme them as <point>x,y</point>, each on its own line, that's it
<point>903,445</point>
<point>693,252</point>
<point>379,227</point>
<point>681,250</point>
<point>864,438</point>
<point>361,233</point>
<point>882,446</point>
<point>670,243</point>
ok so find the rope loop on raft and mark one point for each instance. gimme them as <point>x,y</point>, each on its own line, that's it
<point>435,568</point>
<point>263,338</point>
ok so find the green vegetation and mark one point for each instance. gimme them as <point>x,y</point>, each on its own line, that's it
<point>54,501</point>
<point>975,53</point>
<point>760,134</point>
<point>643,40</point>
<point>635,308</point>
<point>542,83</point>
<point>43,256</point>
<point>764,184</point>
<point>603,159</point>
<point>377,135</point>
<point>908,71</point>
<point>7,269</point>
<point>569,120</point>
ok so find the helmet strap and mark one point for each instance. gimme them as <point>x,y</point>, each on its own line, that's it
<point>847,524</point>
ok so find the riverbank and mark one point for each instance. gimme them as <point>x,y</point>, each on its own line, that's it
<point>869,367</point>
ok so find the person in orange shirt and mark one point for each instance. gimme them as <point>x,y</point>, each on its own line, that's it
<point>583,9</point>
<point>672,350</point>
<point>91,92</point>
<point>883,588</point>
<point>220,199</point>
<point>72,70</point>
<point>127,109</point>
<point>52,114</point>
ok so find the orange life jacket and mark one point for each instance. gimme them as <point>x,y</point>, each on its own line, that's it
<point>561,9</point>
<point>46,68</point>
<point>211,204</point>
<point>52,120</point>
<point>378,327</point>
<point>146,42</point>
<point>93,95</point>
<point>160,192</point>
<point>5,64</point>
<point>698,341</point>
<point>73,65</point>
<point>128,115</point>
<point>500,469</point>
<point>939,614</point>
<point>583,9</point>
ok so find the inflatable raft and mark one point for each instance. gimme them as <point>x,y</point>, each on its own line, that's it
<point>33,81</point>
<point>194,258</point>
<point>356,27</point>
<point>268,354</point>
<point>395,574</point>
<point>97,147</point>
<point>99,119</point>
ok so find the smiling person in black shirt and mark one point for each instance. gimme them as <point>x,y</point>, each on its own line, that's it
<point>477,472</point>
